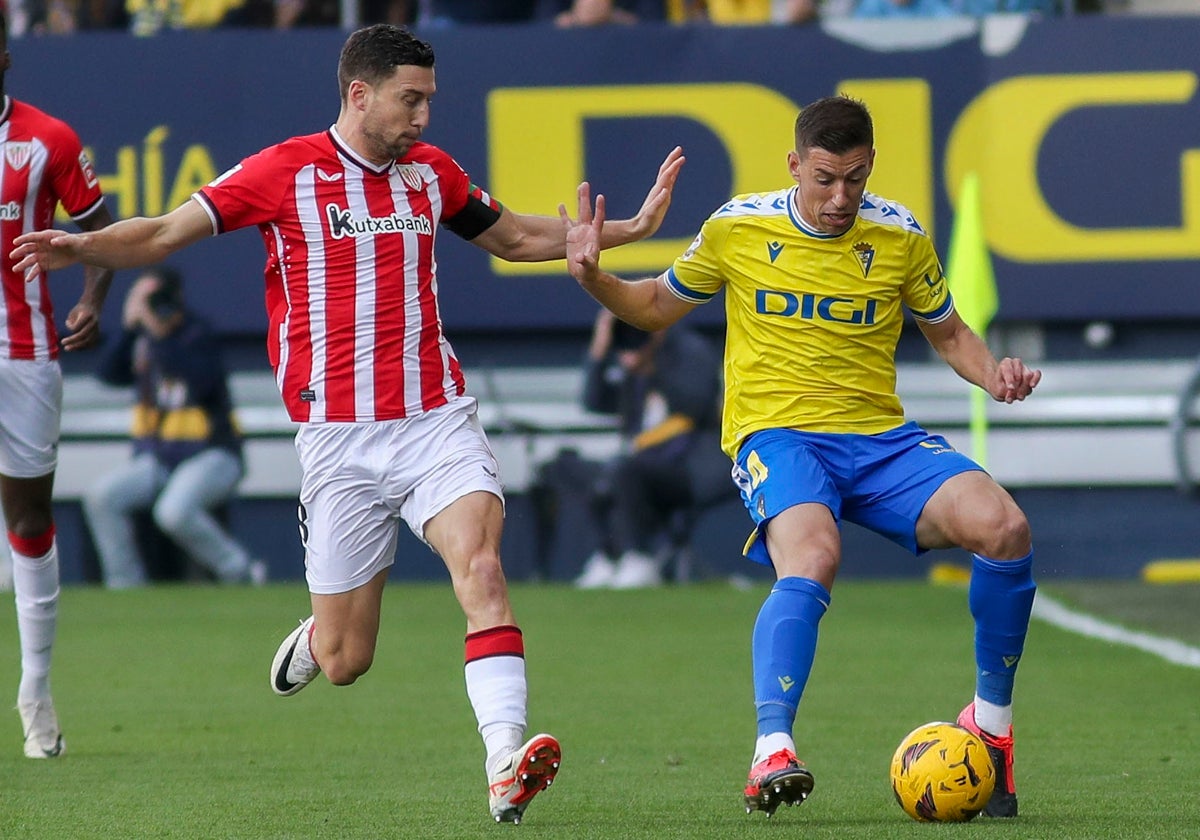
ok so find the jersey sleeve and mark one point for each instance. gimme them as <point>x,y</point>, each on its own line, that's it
<point>696,275</point>
<point>479,213</point>
<point>73,177</point>
<point>467,209</point>
<point>248,194</point>
<point>925,292</point>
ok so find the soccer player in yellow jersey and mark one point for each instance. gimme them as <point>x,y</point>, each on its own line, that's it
<point>816,278</point>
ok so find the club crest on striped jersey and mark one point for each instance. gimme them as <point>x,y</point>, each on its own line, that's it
<point>18,154</point>
<point>411,177</point>
<point>864,252</point>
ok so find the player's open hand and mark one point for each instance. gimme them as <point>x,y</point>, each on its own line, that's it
<point>654,208</point>
<point>583,235</point>
<point>1013,381</point>
<point>41,251</point>
<point>83,322</point>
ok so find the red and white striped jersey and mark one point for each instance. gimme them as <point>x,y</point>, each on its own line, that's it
<point>42,164</point>
<point>351,279</point>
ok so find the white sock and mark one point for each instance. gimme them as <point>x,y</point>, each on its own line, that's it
<point>768,745</point>
<point>993,719</point>
<point>498,692</point>
<point>35,584</point>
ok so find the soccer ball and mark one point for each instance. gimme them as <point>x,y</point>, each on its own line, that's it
<point>942,773</point>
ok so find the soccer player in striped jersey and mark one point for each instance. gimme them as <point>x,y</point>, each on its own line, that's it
<point>387,431</point>
<point>42,165</point>
<point>816,277</point>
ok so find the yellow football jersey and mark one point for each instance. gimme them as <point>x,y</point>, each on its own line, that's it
<point>812,319</point>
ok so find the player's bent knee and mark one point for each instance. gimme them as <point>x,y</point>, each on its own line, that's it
<point>484,574</point>
<point>1007,536</point>
<point>343,669</point>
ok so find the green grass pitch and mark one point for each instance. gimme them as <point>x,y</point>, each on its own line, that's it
<point>173,732</point>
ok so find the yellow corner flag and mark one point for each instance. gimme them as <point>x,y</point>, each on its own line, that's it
<point>969,273</point>
<point>969,269</point>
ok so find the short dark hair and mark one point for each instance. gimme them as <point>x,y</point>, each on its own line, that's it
<point>168,297</point>
<point>371,54</point>
<point>836,124</point>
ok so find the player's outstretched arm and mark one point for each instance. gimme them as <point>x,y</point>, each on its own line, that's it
<point>522,237</point>
<point>125,244</point>
<point>646,304</point>
<point>1007,380</point>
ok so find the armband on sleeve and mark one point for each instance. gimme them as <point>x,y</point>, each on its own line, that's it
<point>475,217</point>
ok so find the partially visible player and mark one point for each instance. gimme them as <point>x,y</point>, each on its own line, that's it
<point>42,164</point>
<point>349,217</point>
<point>816,277</point>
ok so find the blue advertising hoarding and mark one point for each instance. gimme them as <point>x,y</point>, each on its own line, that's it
<point>1085,134</point>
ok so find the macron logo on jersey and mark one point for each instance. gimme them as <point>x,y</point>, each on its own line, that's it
<point>342,223</point>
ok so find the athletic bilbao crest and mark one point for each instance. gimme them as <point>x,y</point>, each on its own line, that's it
<point>18,154</point>
<point>410,176</point>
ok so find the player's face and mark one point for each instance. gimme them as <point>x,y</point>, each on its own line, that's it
<point>396,111</point>
<point>831,186</point>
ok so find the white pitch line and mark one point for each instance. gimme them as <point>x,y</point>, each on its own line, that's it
<point>1172,650</point>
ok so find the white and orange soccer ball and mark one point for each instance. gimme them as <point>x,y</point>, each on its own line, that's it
<point>942,773</point>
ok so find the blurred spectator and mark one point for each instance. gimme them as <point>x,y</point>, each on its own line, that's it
<point>149,17</point>
<point>452,12</point>
<point>950,8</point>
<point>903,8</point>
<point>666,388</point>
<point>290,14</point>
<point>395,12</point>
<point>979,8</point>
<point>743,12</point>
<point>594,13</point>
<point>187,451</point>
<point>62,17</point>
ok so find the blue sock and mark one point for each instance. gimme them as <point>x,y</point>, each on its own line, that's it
<point>1001,598</point>
<point>783,646</point>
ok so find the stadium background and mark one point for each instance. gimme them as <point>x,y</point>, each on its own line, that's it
<point>1083,132</point>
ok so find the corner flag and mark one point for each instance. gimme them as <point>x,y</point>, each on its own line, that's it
<point>969,269</point>
<point>973,285</point>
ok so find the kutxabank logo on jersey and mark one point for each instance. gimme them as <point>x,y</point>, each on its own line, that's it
<point>343,223</point>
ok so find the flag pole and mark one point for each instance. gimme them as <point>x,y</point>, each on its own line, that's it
<point>973,285</point>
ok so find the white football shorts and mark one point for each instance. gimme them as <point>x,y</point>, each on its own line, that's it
<point>30,417</point>
<point>358,480</point>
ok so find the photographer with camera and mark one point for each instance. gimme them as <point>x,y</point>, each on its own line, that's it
<point>187,450</point>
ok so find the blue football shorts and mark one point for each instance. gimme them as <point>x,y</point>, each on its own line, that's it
<point>881,482</point>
